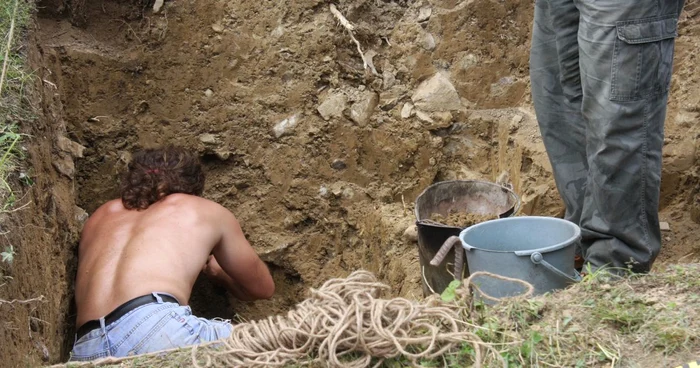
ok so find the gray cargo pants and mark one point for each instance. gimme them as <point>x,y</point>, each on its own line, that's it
<point>600,73</point>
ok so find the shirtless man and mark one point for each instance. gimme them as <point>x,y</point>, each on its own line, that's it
<point>140,255</point>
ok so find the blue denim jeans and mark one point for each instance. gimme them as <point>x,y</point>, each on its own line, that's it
<point>151,327</point>
<point>600,73</point>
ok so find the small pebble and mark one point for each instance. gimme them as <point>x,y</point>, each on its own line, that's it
<point>339,164</point>
<point>208,93</point>
<point>424,13</point>
<point>207,138</point>
<point>323,191</point>
<point>411,233</point>
<point>407,110</point>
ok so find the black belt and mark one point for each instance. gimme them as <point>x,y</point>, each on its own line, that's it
<point>121,310</point>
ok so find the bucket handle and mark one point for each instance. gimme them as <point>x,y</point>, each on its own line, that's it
<point>537,258</point>
<point>450,243</point>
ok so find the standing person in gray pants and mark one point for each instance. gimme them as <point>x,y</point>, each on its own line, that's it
<point>600,72</point>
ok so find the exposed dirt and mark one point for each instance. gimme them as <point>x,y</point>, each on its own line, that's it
<point>330,190</point>
<point>315,200</point>
<point>36,287</point>
<point>461,219</point>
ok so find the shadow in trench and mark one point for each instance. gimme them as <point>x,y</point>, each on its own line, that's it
<point>209,301</point>
<point>71,310</point>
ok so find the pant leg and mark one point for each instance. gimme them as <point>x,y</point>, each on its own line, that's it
<point>625,56</point>
<point>557,96</point>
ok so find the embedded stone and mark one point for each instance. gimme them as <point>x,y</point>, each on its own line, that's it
<point>436,94</point>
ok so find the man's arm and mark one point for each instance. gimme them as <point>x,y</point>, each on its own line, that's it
<point>242,273</point>
<point>217,275</point>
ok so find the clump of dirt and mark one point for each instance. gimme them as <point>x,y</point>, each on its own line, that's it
<point>461,219</point>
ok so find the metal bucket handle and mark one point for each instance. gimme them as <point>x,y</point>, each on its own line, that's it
<point>538,259</point>
<point>451,242</point>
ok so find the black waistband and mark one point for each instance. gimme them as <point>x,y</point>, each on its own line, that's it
<point>121,310</point>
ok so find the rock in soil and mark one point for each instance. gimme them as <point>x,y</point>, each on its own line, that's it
<point>407,110</point>
<point>207,138</point>
<point>285,126</point>
<point>424,13</point>
<point>436,94</point>
<point>361,111</point>
<point>339,164</point>
<point>333,106</point>
<point>664,226</point>
<point>68,146</point>
<point>411,233</point>
<point>65,166</point>
<point>80,215</point>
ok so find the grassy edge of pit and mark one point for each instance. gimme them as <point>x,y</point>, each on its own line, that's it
<point>638,321</point>
<point>15,104</point>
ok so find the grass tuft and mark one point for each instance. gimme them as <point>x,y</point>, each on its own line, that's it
<point>15,106</point>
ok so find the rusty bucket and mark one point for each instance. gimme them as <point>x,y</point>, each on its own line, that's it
<point>458,196</point>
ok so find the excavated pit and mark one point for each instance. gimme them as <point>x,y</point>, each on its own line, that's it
<point>331,189</point>
<point>327,196</point>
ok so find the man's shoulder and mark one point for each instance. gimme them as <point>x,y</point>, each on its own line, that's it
<point>103,213</point>
<point>181,199</point>
<point>180,202</point>
<point>112,206</point>
<point>195,210</point>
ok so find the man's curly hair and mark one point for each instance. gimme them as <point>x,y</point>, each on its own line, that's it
<point>153,174</point>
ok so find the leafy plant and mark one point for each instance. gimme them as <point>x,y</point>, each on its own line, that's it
<point>448,294</point>
<point>8,255</point>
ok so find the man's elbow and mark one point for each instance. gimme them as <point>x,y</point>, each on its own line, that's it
<point>268,291</point>
<point>263,290</point>
<point>266,288</point>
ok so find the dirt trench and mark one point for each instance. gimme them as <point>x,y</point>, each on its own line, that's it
<point>320,158</point>
<point>327,196</point>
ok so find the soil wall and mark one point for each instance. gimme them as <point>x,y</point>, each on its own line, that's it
<point>43,228</point>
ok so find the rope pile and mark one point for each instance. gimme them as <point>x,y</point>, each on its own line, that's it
<point>345,324</point>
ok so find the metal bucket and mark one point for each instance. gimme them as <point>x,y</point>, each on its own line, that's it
<point>469,196</point>
<point>538,250</point>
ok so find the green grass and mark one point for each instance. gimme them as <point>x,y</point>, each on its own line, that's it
<point>15,107</point>
<point>597,322</point>
<point>634,321</point>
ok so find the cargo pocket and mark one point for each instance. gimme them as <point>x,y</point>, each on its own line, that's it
<point>643,58</point>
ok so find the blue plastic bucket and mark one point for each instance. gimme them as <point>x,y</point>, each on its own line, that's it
<point>538,250</point>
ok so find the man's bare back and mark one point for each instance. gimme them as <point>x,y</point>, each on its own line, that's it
<point>140,255</point>
<point>125,253</point>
